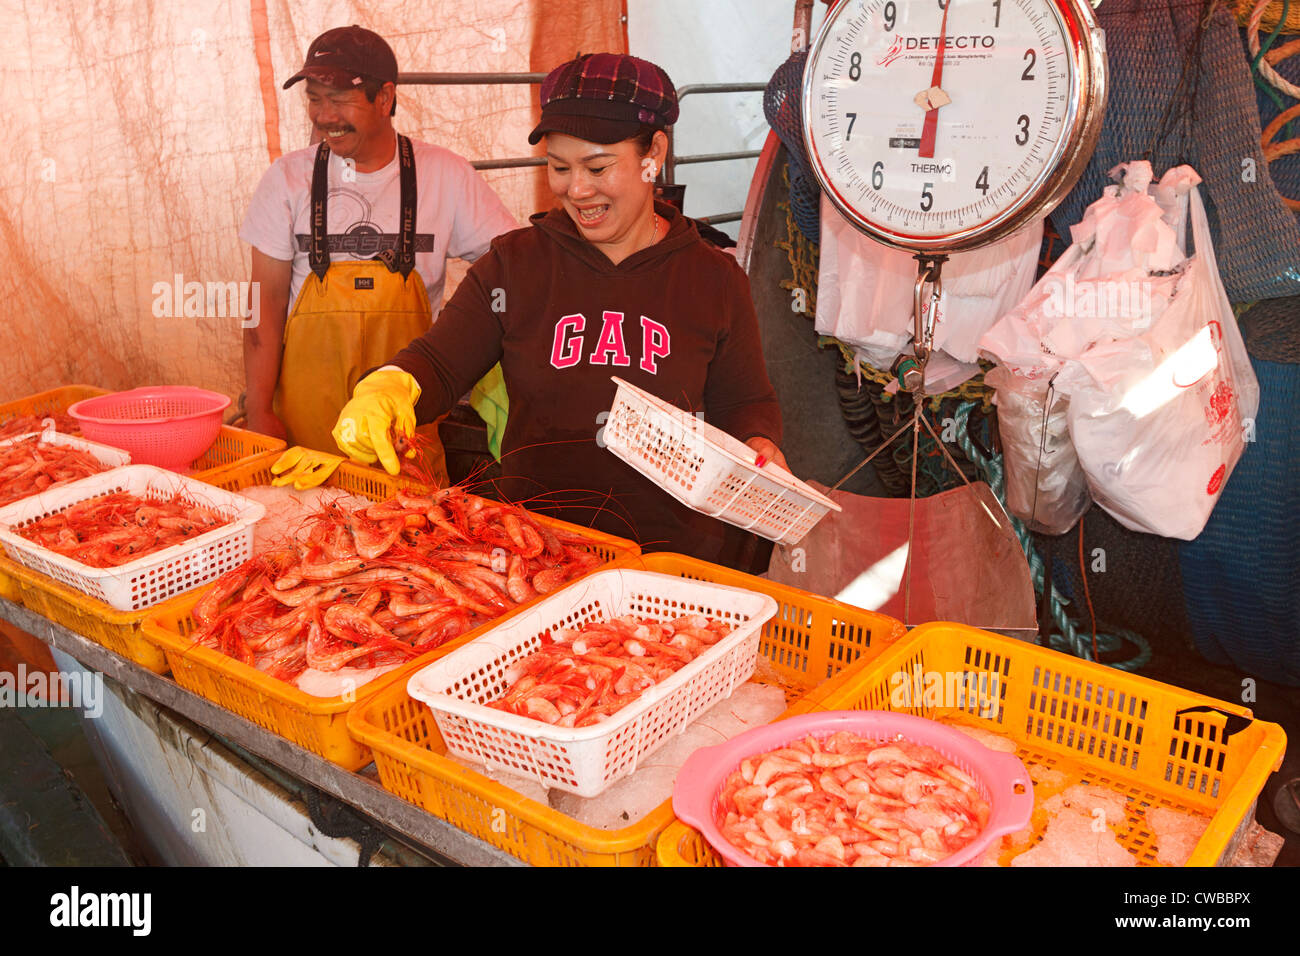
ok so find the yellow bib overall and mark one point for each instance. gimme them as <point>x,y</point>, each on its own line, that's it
<point>350,317</point>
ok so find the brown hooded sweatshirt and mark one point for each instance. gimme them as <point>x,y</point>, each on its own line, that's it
<point>675,319</point>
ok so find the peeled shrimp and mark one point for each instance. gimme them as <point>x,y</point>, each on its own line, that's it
<point>850,801</point>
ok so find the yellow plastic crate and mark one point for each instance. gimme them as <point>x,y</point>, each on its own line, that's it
<point>42,403</point>
<point>118,631</point>
<point>314,723</point>
<point>373,483</point>
<point>682,845</point>
<point>231,447</point>
<point>809,639</point>
<point>1158,745</point>
<point>10,589</point>
<point>48,402</point>
<point>235,446</point>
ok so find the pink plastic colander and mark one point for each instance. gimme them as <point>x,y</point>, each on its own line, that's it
<point>168,425</point>
<point>1002,779</point>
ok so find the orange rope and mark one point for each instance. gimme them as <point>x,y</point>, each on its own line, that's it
<point>1270,150</point>
<point>1280,53</point>
<point>266,76</point>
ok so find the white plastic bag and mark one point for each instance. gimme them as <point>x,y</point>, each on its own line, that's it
<point>1157,418</point>
<point>1101,287</point>
<point>1045,485</point>
<point>865,291</point>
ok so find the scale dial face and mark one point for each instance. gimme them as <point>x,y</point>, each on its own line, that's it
<point>940,125</point>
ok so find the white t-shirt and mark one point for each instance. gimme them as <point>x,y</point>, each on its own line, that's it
<point>457,213</point>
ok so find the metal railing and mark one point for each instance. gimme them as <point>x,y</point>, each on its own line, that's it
<point>668,175</point>
<point>481,79</point>
<point>673,160</point>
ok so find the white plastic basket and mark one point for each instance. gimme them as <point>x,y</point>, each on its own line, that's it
<point>106,455</point>
<point>586,760</point>
<point>154,577</point>
<point>708,470</point>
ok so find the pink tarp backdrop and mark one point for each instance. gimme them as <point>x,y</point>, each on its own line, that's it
<point>137,133</point>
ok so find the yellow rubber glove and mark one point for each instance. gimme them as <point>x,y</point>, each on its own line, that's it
<point>381,401</point>
<point>304,468</point>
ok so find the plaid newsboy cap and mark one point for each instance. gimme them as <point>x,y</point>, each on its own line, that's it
<point>605,98</point>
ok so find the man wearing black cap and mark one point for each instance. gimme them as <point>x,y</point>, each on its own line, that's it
<point>354,233</point>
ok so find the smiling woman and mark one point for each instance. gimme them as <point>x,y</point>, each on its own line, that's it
<point>608,189</point>
<point>606,283</point>
<point>603,118</point>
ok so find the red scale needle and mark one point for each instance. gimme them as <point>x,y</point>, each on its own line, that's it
<point>932,115</point>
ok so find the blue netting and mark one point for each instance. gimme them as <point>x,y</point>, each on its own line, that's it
<point>784,112</point>
<point>1256,237</point>
<point>1241,576</point>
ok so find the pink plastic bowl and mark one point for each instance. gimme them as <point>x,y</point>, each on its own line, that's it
<point>168,426</point>
<point>1002,778</point>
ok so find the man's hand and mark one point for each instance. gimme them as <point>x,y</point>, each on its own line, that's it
<point>383,400</point>
<point>767,451</point>
<point>266,422</point>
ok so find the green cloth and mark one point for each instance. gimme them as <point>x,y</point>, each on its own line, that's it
<point>489,399</point>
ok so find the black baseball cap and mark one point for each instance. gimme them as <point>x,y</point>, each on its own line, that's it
<point>345,57</point>
<point>605,98</point>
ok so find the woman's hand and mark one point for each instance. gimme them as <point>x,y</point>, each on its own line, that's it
<point>766,449</point>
